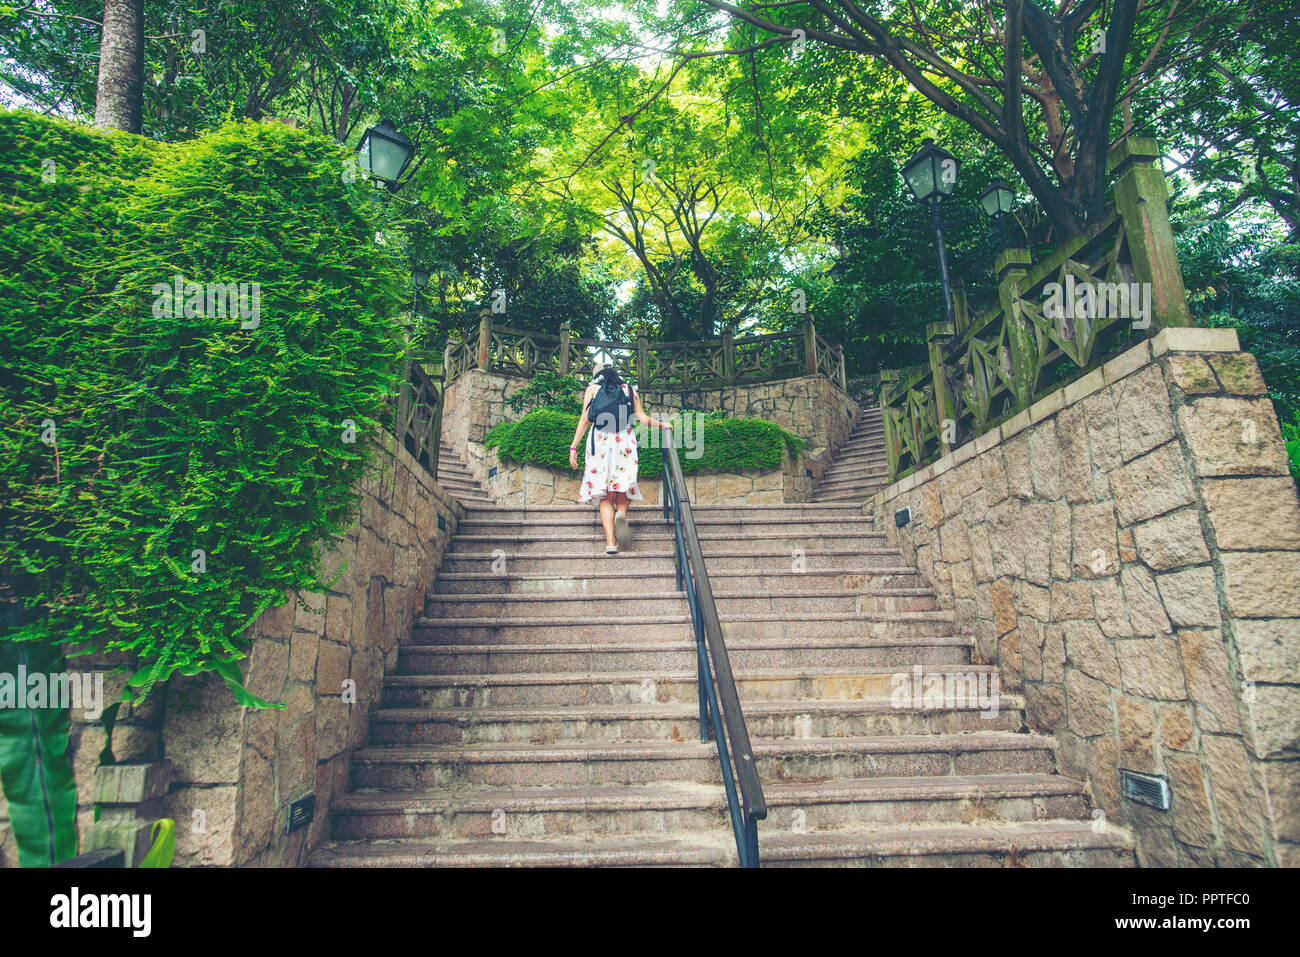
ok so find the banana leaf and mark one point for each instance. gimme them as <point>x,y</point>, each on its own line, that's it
<point>35,770</point>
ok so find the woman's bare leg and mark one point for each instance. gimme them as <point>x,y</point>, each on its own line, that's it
<point>622,534</point>
<point>607,517</point>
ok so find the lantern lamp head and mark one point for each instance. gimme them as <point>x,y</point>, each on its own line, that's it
<point>932,173</point>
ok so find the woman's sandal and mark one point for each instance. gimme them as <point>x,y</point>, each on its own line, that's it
<point>611,549</point>
<point>622,531</point>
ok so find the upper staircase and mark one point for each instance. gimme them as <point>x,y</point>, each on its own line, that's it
<point>544,712</point>
<point>860,467</point>
<point>454,476</point>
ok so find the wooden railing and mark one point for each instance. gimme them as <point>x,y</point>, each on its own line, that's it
<point>726,361</point>
<point>417,416</point>
<point>997,364</point>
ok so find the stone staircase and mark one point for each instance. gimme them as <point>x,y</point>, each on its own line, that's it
<point>454,475</point>
<point>544,710</point>
<point>860,467</point>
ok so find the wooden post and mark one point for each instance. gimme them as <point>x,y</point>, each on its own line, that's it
<point>888,379</point>
<point>485,339</point>
<point>839,365</point>
<point>1142,199</point>
<point>937,337</point>
<point>564,348</point>
<point>435,444</point>
<point>729,357</point>
<point>961,308</point>
<point>1011,267</point>
<point>809,346</point>
<point>448,373</point>
<point>642,360</point>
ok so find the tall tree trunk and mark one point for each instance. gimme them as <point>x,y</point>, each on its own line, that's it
<point>119,97</point>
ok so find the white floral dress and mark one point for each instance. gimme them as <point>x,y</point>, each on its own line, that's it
<point>612,467</point>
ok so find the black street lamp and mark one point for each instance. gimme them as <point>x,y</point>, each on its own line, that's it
<point>387,153</point>
<point>931,175</point>
<point>997,200</point>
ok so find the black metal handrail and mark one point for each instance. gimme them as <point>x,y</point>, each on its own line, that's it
<point>719,706</point>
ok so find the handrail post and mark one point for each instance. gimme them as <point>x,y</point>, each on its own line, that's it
<point>839,367</point>
<point>642,360</point>
<point>1142,197</point>
<point>564,348</point>
<point>809,346</point>
<point>729,357</point>
<point>937,337</point>
<point>485,339</point>
<point>435,441</point>
<point>1011,266</point>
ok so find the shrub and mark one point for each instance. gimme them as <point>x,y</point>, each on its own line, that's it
<point>547,390</point>
<point>136,438</point>
<point>542,437</point>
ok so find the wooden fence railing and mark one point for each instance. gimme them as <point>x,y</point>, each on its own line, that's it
<point>417,416</point>
<point>1039,334</point>
<point>725,361</point>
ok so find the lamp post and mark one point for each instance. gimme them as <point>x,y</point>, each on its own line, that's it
<point>931,175</point>
<point>997,200</point>
<point>386,153</point>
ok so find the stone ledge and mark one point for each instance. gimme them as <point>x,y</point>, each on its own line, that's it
<point>1194,339</point>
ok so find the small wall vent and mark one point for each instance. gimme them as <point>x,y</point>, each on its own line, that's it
<point>903,516</point>
<point>492,471</point>
<point>442,522</point>
<point>1146,789</point>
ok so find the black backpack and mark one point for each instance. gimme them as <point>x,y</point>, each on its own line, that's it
<point>606,410</point>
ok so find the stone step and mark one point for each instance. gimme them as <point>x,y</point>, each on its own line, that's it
<point>665,809</point>
<point>652,527</point>
<point>679,721</point>
<point>640,762</point>
<point>620,656</point>
<point>860,494</point>
<point>860,462</point>
<point>644,558</point>
<point>595,605</point>
<point>998,844</point>
<point>704,514</point>
<point>661,685</point>
<point>558,628</point>
<point>1054,843</point>
<point>865,581</point>
<point>591,542</point>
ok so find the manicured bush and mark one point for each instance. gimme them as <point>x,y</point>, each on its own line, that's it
<point>542,437</point>
<point>170,471</point>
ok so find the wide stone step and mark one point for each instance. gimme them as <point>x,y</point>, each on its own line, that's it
<point>596,604</point>
<point>553,852</point>
<point>670,809</point>
<point>601,581</point>
<point>651,527</point>
<point>660,559</point>
<point>647,656</point>
<point>641,762</point>
<point>592,541</point>
<point>997,844</point>
<point>661,685</point>
<point>558,628</point>
<point>679,721</point>
<point>705,515</point>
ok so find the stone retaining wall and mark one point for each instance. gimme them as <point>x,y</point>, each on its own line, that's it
<point>528,485</point>
<point>236,770</point>
<point>1128,552</point>
<point>811,407</point>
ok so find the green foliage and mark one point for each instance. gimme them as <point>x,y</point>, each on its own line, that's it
<point>35,770</point>
<point>1291,436</point>
<point>729,445</point>
<point>169,435</point>
<point>547,390</point>
<point>163,835</point>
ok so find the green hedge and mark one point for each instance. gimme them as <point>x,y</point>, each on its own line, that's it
<point>181,432</point>
<point>542,437</point>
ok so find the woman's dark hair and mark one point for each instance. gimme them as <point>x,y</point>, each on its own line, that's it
<point>609,376</point>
